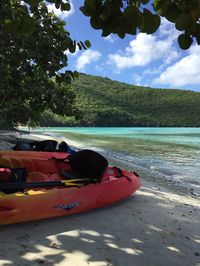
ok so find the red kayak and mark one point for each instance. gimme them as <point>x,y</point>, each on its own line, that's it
<point>50,191</point>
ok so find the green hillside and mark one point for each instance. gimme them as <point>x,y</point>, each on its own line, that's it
<point>110,103</point>
<point>104,102</point>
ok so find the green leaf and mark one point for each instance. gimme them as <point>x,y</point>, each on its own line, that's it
<point>172,13</point>
<point>57,5</point>
<point>131,13</point>
<point>183,21</point>
<point>107,12</point>
<point>184,41</point>
<point>79,46</point>
<point>83,45</point>
<point>140,20</point>
<point>65,7</point>
<point>121,34</point>
<point>72,47</point>
<point>134,17</point>
<point>90,5</point>
<point>155,23</point>
<point>151,22</point>
<point>106,32</point>
<point>87,44</point>
<point>27,25</point>
<point>161,7</point>
<point>121,30</point>
<point>111,26</point>
<point>130,29</point>
<point>85,11</point>
<point>96,23</point>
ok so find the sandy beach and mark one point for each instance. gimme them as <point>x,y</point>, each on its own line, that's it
<point>157,226</point>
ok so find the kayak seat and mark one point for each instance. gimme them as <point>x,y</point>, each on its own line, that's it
<point>86,164</point>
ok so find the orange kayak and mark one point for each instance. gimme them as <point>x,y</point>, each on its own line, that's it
<point>32,154</point>
<point>34,203</point>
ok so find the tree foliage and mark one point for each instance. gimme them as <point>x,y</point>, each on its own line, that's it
<point>34,42</point>
<point>33,45</point>
<point>123,17</point>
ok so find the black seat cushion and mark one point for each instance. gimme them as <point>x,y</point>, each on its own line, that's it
<point>89,164</point>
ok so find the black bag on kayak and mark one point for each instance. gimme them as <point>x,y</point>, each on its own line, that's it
<point>23,146</point>
<point>86,164</point>
<point>44,145</point>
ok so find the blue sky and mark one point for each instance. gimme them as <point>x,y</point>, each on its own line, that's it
<point>145,60</point>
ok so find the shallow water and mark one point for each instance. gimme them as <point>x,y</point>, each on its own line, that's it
<point>172,153</point>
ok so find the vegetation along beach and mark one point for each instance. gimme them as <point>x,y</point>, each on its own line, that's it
<point>119,83</point>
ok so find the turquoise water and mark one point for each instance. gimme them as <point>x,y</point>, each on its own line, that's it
<point>172,153</point>
<point>187,136</point>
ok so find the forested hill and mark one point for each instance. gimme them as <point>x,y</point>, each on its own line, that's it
<point>105,102</point>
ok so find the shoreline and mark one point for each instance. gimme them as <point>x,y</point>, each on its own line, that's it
<point>9,138</point>
<point>156,226</point>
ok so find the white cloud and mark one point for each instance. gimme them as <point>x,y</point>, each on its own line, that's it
<point>148,48</point>
<point>86,58</point>
<point>110,38</point>
<point>171,57</point>
<point>61,14</point>
<point>167,30</point>
<point>184,72</point>
<point>142,51</point>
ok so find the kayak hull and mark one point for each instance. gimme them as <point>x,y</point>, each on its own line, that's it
<point>41,204</point>
<point>33,154</point>
<point>36,204</point>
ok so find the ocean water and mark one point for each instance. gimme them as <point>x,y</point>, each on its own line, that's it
<point>171,153</point>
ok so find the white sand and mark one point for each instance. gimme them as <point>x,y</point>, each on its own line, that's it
<point>154,227</point>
